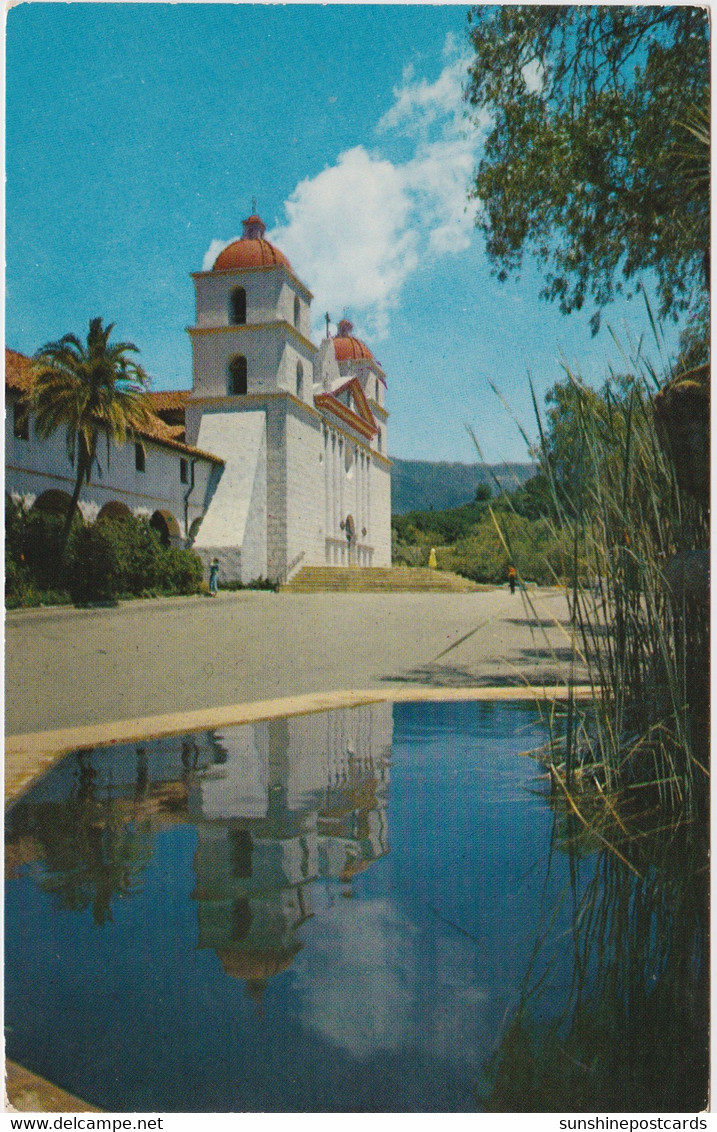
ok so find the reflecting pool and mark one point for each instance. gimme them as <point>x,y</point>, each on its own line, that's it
<point>369,909</point>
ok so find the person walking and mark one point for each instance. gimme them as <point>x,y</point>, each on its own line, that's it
<point>512,575</point>
<point>214,577</point>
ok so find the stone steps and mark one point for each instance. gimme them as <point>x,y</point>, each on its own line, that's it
<point>377,579</point>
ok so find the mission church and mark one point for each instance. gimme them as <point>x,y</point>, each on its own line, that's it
<point>275,459</point>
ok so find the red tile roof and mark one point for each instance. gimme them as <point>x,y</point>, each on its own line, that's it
<point>349,348</point>
<point>18,372</point>
<point>164,401</point>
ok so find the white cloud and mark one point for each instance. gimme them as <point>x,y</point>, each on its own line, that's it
<point>420,104</point>
<point>360,985</point>
<point>438,177</point>
<point>213,251</point>
<point>349,233</point>
<point>359,229</point>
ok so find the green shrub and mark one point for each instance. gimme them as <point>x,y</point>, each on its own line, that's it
<point>140,554</point>
<point>29,597</point>
<point>32,558</point>
<point>43,545</point>
<point>466,540</point>
<point>440,528</point>
<point>179,571</point>
<point>255,584</point>
<point>33,541</point>
<point>407,555</point>
<point>15,521</point>
<point>102,561</point>
<point>19,589</point>
<point>125,556</point>
<point>535,548</point>
<point>94,562</point>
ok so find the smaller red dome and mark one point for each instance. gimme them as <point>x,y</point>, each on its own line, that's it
<point>346,347</point>
<point>252,250</point>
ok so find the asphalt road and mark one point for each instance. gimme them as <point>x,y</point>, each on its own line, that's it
<point>67,667</point>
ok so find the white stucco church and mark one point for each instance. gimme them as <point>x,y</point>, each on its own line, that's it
<point>275,459</point>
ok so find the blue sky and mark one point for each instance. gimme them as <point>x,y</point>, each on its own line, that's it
<point>138,134</point>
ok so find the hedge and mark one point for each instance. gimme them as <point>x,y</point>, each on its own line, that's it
<point>104,560</point>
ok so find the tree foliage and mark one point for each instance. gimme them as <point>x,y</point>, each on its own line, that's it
<point>89,389</point>
<point>597,151</point>
<point>440,528</point>
<point>588,434</point>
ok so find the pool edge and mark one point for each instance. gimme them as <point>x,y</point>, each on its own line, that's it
<point>30,756</point>
<point>25,1091</point>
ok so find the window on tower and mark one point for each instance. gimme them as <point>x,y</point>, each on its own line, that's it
<point>237,376</point>
<point>237,306</point>
<point>297,310</point>
<point>299,380</point>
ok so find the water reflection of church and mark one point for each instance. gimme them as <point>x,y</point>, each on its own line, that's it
<point>277,805</point>
<point>296,800</point>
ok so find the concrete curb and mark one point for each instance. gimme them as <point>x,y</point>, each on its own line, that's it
<point>68,612</point>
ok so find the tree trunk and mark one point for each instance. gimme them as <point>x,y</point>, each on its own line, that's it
<point>72,509</point>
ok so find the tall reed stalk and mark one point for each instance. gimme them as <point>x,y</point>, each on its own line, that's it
<point>636,581</point>
<point>630,775</point>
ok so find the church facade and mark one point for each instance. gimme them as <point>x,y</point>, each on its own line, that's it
<point>275,459</point>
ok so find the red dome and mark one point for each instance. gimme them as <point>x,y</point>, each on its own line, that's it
<point>347,348</point>
<point>252,250</point>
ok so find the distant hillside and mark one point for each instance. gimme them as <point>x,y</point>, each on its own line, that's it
<point>418,485</point>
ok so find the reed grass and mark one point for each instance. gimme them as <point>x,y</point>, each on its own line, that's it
<point>633,545</point>
<point>628,776</point>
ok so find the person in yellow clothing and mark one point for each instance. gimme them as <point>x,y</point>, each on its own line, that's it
<point>512,575</point>
<point>432,558</point>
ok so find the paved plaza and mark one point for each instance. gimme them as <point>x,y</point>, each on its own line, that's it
<point>71,668</point>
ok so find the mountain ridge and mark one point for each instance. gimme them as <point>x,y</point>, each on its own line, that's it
<point>422,485</point>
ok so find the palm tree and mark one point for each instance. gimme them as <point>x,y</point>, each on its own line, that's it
<point>90,390</point>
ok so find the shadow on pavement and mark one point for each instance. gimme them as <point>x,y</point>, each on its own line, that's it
<point>442,676</point>
<point>548,623</point>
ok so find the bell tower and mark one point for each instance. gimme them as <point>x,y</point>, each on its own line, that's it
<point>251,335</point>
<point>252,404</point>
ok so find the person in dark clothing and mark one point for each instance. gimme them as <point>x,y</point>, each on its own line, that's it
<point>214,578</point>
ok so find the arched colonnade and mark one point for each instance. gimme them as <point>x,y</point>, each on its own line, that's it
<point>57,502</point>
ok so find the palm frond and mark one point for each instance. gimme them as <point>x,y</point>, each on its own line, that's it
<point>78,386</point>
